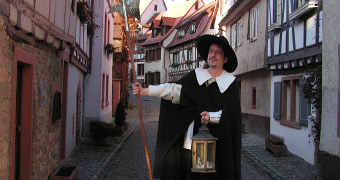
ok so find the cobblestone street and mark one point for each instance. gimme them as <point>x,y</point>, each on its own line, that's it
<point>124,157</point>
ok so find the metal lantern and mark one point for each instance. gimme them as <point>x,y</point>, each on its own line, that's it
<point>203,151</point>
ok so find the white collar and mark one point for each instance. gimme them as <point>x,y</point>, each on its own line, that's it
<point>223,81</point>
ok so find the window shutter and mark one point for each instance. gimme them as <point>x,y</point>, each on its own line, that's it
<point>305,107</point>
<point>277,100</point>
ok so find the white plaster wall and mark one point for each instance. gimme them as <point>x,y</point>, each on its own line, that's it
<point>149,10</point>
<point>75,78</point>
<point>297,140</point>
<point>330,78</point>
<point>100,64</point>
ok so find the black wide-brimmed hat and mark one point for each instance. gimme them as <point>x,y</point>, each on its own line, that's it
<point>203,45</point>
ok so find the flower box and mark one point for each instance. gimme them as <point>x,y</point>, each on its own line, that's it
<point>275,144</point>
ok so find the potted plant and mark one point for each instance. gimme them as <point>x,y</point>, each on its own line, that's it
<point>65,172</point>
<point>275,144</point>
<point>98,132</point>
<point>109,50</point>
<point>120,116</point>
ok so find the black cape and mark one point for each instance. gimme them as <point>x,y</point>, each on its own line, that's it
<point>174,119</point>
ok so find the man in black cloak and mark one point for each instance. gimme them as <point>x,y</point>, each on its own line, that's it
<point>204,96</point>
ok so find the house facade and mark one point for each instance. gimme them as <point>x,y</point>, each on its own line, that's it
<point>183,55</point>
<point>98,84</point>
<point>153,9</point>
<point>44,60</point>
<point>162,34</point>
<point>243,24</point>
<point>328,157</point>
<point>294,42</point>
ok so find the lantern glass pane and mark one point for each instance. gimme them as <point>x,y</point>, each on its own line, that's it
<point>200,155</point>
<point>210,154</point>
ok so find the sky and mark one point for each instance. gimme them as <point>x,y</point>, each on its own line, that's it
<point>144,3</point>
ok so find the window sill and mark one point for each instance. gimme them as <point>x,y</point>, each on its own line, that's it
<point>290,124</point>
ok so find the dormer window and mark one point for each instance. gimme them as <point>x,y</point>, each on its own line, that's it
<point>164,30</point>
<point>181,33</point>
<point>154,33</point>
<point>193,28</point>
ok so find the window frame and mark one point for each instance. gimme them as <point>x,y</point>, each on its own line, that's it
<point>253,23</point>
<point>175,58</point>
<point>292,98</point>
<point>236,33</point>
<point>189,54</point>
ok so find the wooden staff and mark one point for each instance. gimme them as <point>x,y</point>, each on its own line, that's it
<point>138,97</point>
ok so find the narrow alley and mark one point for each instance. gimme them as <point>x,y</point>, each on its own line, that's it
<point>124,157</point>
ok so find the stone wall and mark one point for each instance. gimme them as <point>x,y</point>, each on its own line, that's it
<point>46,137</point>
<point>6,56</point>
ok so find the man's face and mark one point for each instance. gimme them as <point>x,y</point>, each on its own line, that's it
<point>216,57</point>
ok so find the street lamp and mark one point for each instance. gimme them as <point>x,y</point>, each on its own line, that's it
<point>203,151</point>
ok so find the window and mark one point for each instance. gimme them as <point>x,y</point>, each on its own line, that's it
<point>176,58</point>
<point>158,54</point>
<point>108,32</point>
<point>253,103</point>
<point>196,6</point>
<point>253,23</point>
<point>155,8</point>
<point>140,69</point>
<point>236,34</point>
<point>290,104</point>
<point>157,77</point>
<point>298,3</point>
<point>154,33</point>
<point>107,90</point>
<point>105,31</point>
<point>277,5</point>
<point>181,33</point>
<point>147,56</point>
<point>153,53</point>
<point>193,28</point>
<point>103,90</point>
<point>189,57</point>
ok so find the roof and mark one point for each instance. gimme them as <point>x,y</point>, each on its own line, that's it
<point>189,37</point>
<point>152,18</point>
<point>144,37</point>
<point>206,8</point>
<point>177,12</point>
<point>167,21</point>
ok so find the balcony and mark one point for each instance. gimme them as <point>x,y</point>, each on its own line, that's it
<point>303,10</point>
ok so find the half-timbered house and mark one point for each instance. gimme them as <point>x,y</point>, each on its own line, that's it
<point>156,57</point>
<point>182,50</point>
<point>152,10</point>
<point>243,24</point>
<point>294,41</point>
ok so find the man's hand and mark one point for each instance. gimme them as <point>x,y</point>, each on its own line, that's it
<point>137,89</point>
<point>205,117</point>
